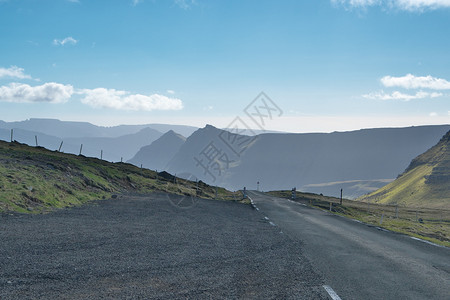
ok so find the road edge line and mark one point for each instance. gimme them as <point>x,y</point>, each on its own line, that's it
<point>331,292</point>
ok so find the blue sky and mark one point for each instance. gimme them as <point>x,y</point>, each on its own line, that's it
<point>329,65</point>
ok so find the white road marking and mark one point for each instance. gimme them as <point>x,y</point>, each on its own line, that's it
<point>272,223</point>
<point>266,218</point>
<point>331,292</point>
<point>427,242</point>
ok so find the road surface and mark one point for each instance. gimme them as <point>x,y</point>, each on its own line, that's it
<point>360,261</point>
<point>147,248</point>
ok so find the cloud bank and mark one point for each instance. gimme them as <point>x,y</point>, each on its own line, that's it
<point>410,81</point>
<point>50,92</point>
<point>14,72</point>
<point>53,92</point>
<point>122,100</point>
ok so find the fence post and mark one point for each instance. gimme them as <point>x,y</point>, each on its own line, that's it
<point>341,198</point>
<point>12,133</point>
<point>331,205</point>
<point>59,149</point>
<point>81,148</point>
<point>35,137</point>
<point>101,154</point>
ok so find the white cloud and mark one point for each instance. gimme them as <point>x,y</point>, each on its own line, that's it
<point>170,92</point>
<point>433,114</point>
<point>136,2</point>
<point>14,72</point>
<point>50,92</point>
<point>122,100</point>
<point>408,5</point>
<point>401,96</point>
<point>410,81</point>
<point>68,40</point>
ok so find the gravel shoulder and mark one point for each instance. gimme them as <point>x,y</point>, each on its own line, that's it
<point>145,247</point>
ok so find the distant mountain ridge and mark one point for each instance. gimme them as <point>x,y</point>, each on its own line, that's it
<point>69,129</point>
<point>111,143</point>
<point>425,182</point>
<point>369,158</point>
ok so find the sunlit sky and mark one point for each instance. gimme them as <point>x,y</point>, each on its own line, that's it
<point>328,65</point>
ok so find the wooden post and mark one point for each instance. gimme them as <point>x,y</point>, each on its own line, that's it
<point>12,131</point>
<point>121,159</point>
<point>341,197</point>
<point>101,154</point>
<point>59,150</point>
<point>81,149</point>
<point>331,205</point>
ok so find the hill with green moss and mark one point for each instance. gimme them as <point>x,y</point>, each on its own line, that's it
<point>425,183</point>
<point>34,179</point>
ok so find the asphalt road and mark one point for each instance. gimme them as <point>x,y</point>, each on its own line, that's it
<point>360,261</point>
<point>147,248</point>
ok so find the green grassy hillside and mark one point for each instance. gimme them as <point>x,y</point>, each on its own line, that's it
<point>37,180</point>
<point>425,183</point>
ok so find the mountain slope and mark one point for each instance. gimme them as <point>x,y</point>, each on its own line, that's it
<point>368,158</point>
<point>426,181</point>
<point>156,155</point>
<point>36,179</point>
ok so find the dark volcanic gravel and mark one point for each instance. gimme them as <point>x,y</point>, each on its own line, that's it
<point>144,247</point>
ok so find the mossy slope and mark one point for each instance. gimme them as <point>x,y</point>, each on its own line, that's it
<point>34,179</point>
<point>425,183</point>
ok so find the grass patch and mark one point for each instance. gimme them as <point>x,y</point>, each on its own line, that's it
<point>35,180</point>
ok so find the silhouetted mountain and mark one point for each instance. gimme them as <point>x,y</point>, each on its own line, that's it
<point>283,161</point>
<point>113,148</point>
<point>116,148</point>
<point>156,155</point>
<point>66,129</point>
<point>426,181</point>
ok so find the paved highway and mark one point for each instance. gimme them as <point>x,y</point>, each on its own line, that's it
<point>360,261</point>
<point>147,248</point>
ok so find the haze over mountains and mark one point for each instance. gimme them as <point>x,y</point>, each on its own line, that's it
<point>117,142</point>
<point>358,161</point>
